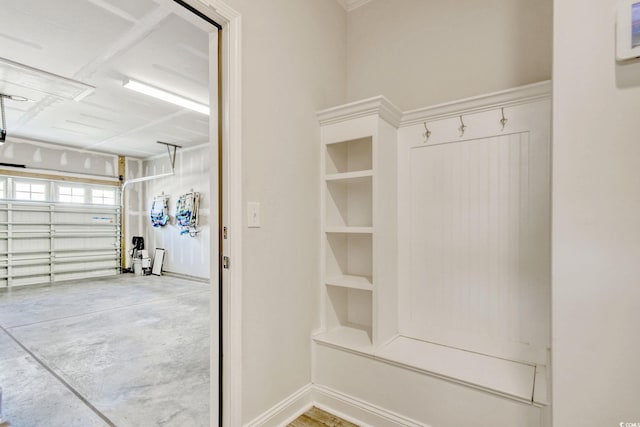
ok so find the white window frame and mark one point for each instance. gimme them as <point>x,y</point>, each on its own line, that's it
<point>77,194</point>
<point>104,191</point>
<point>31,183</point>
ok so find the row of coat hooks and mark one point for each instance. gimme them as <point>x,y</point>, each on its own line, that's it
<point>462,128</point>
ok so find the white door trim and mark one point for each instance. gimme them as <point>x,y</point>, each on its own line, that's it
<point>231,66</point>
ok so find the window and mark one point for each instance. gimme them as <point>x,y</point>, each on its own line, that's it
<point>2,190</point>
<point>71,194</point>
<point>103,197</point>
<point>29,191</point>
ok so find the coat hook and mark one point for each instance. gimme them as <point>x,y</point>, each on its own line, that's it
<point>504,120</point>
<point>427,132</point>
<point>462,127</point>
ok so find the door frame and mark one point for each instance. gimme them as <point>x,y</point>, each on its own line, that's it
<point>231,130</point>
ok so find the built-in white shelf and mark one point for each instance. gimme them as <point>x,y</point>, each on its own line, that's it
<point>351,281</point>
<point>513,379</point>
<point>347,337</point>
<point>349,156</point>
<point>507,378</point>
<point>349,176</point>
<point>349,230</point>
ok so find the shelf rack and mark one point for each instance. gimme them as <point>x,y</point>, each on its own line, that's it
<point>358,192</point>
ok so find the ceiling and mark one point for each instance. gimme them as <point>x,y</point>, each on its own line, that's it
<point>102,43</point>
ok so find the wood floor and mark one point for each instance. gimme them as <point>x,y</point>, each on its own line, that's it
<point>315,417</point>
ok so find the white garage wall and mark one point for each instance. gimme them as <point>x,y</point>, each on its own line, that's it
<point>293,55</point>
<point>53,157</point>
<point>419,53</point>
<point>190,256</point>
<point>596,221</point>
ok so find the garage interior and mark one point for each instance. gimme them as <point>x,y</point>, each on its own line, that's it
<point>104,313</point>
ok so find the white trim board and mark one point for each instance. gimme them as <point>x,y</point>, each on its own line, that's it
<point>342,405</point>
<point>380,105</point>
<point>231,64</point>
<point>287,410</point>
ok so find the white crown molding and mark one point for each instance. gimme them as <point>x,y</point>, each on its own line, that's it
<point>381,106</point>
<point>350,5</point>
<point>477,104</point>
<point>378,105</point>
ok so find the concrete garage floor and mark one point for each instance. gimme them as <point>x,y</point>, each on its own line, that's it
<point>122,351</point>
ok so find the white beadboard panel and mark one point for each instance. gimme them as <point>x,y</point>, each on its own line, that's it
<point>477,238</point>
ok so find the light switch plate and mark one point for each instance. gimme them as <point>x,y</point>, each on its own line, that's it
<point>253,214</point>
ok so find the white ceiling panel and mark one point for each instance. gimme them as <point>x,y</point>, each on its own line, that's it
<point>175,59</point>
<point>126,9</point>
<point>102,43</point>
<point>57,36</point>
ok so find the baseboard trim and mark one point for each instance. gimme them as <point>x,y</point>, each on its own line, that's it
<point>358,411</point>
<point>286,410</point>
<point>344,406</point>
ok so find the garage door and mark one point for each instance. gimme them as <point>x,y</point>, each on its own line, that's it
<point>55,230</point>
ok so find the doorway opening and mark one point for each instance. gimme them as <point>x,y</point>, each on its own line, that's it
<point>64,137</point>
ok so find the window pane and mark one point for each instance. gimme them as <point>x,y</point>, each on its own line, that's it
<point>21,186</point>
<point>102,197</point>
<point>71,194</point>
<point>37,188</point>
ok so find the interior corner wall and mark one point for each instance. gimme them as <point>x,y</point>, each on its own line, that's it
<point>185,255</point>
<point>293,62</point>
<point>419,53</point>
<point>596,221</point>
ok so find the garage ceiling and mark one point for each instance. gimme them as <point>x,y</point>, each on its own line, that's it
<point>102,43</point>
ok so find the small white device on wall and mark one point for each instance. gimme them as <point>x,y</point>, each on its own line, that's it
<point>628,30</point>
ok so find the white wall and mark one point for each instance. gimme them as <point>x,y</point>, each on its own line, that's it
<point>420,53</point>
<point>184,254</point>
<point>293,55</point>
<point>596,221</point>
<point>53,157</point>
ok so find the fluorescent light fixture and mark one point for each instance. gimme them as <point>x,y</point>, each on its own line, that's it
<point>166,96</point>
